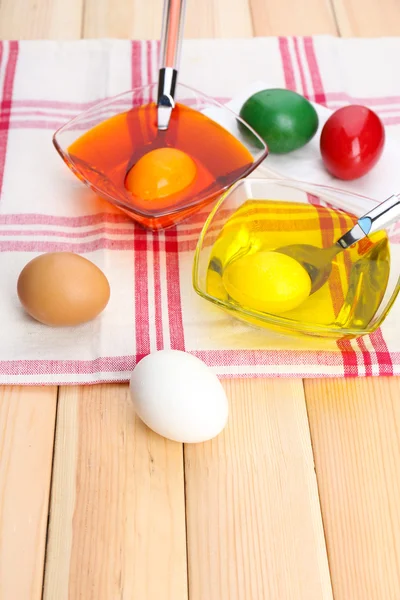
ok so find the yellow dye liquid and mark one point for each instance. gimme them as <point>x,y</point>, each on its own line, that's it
<point>242,275</point>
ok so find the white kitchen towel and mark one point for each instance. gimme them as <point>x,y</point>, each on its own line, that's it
<point>43,207</point>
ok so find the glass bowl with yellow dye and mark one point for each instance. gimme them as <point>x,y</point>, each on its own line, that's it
<point>238,267</point>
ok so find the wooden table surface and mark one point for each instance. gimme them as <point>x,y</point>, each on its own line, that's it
<point>298,499</point>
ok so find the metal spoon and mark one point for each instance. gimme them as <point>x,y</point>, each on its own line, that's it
<point>171,38</point>
<point>318,261</point>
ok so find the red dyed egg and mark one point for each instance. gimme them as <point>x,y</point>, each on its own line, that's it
<point>352,142</point>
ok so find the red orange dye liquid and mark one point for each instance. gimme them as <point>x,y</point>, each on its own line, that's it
<point>104,154</point>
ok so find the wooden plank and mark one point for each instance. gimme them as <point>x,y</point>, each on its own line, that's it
<point>30,19</point>
<point>117,526</point>
<point>292,18</point>
<point>27,420</point>
<point>355,427</point>
<point>121,19</point>
<point>367,18</point>
<point>27,415</point>
<point>145,523</point>
<point>225,18</point>
<point>207,509</point>
<point>253,514</point>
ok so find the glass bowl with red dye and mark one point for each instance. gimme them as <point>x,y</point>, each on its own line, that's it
<point>103,144</point>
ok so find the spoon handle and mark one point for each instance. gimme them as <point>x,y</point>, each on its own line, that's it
<point>171,34</point>
<point>170,48</point>
<point>386,213</point>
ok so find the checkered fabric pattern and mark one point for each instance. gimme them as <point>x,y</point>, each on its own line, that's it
<point>43,207</point>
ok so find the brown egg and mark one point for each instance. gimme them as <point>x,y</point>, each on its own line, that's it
<point>62,288</point>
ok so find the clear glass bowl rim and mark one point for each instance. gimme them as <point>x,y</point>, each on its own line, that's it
<point>168,211</point>
<point>271,319</point>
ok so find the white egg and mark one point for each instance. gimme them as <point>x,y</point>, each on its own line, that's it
<point>179,397</point>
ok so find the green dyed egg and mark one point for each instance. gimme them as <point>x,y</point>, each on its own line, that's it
<point>284,119</point>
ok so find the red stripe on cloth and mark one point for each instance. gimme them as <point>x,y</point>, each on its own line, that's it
<point>288,71</point>
<point>1,61</point>
<point>300,65</point>
<point>390,120</point>
<point>110,217</point>
<point>157,291</point>
<point>313,200</point>
<point>6,101</point>
<point>214,358</point>
<point>243,358</point>
<point>138,240</point>
<point>327,229</point>
<point>366,356</point>
<point>90,233</point>
<point>176,332</point>
<point>148,59</point>
<point>37,113</point>
<point>140,246</point>
<point>384,357</point>
<point>172,261</point>
<point>376,338</point>
<point>141,297</point>
<point>76,107</point>
<point>36,124</point>
<point>156,248</point>
<point>345,97</point>
<point>349,356</point>
<point>157,52</point>
<point>84,221</point>
<point>395,239</point>
<point>104,364</point>
<point>126,363</point>
<point>350,359</point>
<point>136,64</point>
<point>110,237</point>
<point>107,231</point>
<point>319,94</point>
<point>381,111</point>
<point>46,246</point>
<point>348,265</point>
<point>150,92</point>
<point>57,104</point>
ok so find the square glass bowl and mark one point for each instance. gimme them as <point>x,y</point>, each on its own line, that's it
<point>112,147</point>
<point>364,281</point>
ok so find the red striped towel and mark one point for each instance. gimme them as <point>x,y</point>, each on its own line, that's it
<point>43,207</point>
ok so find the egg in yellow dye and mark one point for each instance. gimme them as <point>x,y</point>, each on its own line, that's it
<point>160,173</point>
<point>267,282</point>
